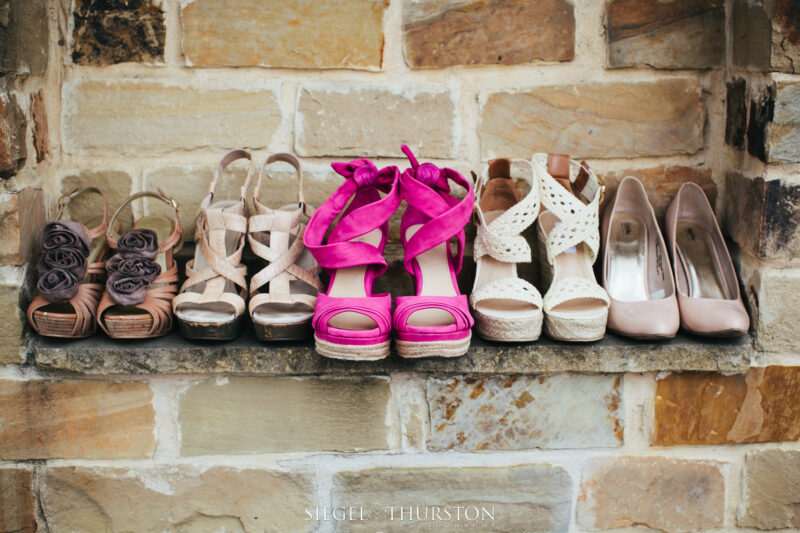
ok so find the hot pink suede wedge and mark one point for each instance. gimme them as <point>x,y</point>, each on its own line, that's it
<point>350,322</point>
<point>436,322</point>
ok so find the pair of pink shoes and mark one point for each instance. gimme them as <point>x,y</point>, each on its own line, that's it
<point>350,322</point>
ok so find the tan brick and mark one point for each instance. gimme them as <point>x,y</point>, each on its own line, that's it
<point>777,323</point>
<point>13,343</point>
<point>76,420</point>
<point>144,117</point>
<point>670,35</point>
<point>600,120</point>
<point>182,498</point>
<point>39,127</point>
<point>504,32</point>
<point>666,494</point>
<point>783,133</point>
<point>277,33</point>
<point>17,503</point>
<point>116,185</point>
<point>249,415</point>
<point>765,35</point>
<point>520,412</point>
<point>530,497</point>
<point>710,408</point>
<point>22,216</point>
<point>368,121</point>
<point>13,148</point>
<point>771,490</point>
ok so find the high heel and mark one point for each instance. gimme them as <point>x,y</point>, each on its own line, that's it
<point>350,322</point>
<point>436,321</point>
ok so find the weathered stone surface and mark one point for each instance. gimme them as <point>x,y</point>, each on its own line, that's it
<point>76,420</point>
<point>108,32</point>
<point>752,35</point>
<point>711,408</point>
<point>487,32</point>
<point>736,114</point>
<point>27,39</point>
<point>22,216</point>
<point>785,35</point>
<point>764,216</point>
<point>13,344</point>
<point>662,183</point>
<point>86,208</point>
<point>138,117</point>
<point>520,412</point>
<point>276,33</point>
<point>665,494</point>
<point>368,120</point>
<point>783,133</point>
<point>245,355</point>
<point>778,321</point>
<point>670,35</point>
<point>771,490</point>
<point>762,107</point>
<point>17,513</point>
<point>600,120</point>
<point>272,415</point>
<point>13,150</point>
<point>41,136</point>
<point>183,498</point>
<point>531,497</point>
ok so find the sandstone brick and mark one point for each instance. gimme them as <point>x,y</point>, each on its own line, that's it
<point>711,408</point>
<point>17,513</point>
<point>783,133</point>
<point>484,32</point>
<point>86,208</point>
<point>785,36</point>
<point>600,120</point>
<point>671,35</point>
<point>13,150</point>
<point>140,117</point>
<point>736,114</point>
<point>763,216</point>
<point>116,32</point>
<point>762,107</point>
<point>520,412</point>
<point>766,35</point>
<point>531,497</point>
<point>275,33</point>
<point>26,44</point>
<point>777,323</point>
<point>41,136</point>
<point>75,419</point>
<point>13,343</point>
<point>662,183</point>
<point>22,216</point>
<point>771,490</point>
<point>245,415</point>
<point>665,494</point>
<point>368,120</point>
<point>175,498</point>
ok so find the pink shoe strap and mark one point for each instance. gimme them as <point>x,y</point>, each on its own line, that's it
<point>458,306</point>
<point>426,188</point>
<point>366,212</point>
<point>377,307</point>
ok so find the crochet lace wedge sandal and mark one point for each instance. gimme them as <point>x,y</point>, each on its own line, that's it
<point>575,306</point>
<point>436,322</point>
<point>350,322</point>
<point>71,270</point>
<point>142,274</point>
<point>211,303</point>
<point>506,308</point>
<point>283,294</point>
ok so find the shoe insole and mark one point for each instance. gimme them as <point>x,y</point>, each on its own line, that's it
<point>350,283</point>
<point>434,269</point>
<point>700,262</point>
<point>627,260</point>
<point>490,269</point>
<point>212,312</point>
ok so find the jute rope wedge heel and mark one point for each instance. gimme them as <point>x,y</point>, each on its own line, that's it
<point>350,322</point>
<point>506,308</point>
<point>142,274</point>
<point>436,321</point>
<point>283,294</point>
<point>211,303</point>
<point>71,273</point>
<point>575,306</point>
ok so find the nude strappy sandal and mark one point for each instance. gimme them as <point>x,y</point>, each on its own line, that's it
<point>211,303</point>
<point>283,294</point>
<point>506,308</point>
<point>575,306</point>
<point>71,273</point>
<point>142,274</point>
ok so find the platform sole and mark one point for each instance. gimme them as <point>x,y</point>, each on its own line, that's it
<point>576,330</point>
<point>297,331</point>
<point>419,350</point>
<point>352,352</point>
<point>60,325</point>
<point>209,331</point>
<point>524,329</point>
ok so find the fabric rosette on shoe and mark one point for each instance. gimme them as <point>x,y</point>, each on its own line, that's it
<point>63,264</point>
<point>132,270</point>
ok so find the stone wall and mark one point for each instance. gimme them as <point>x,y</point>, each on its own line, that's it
<point>145,93</point>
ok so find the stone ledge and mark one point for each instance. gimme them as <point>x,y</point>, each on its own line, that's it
<point>247,356</point>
